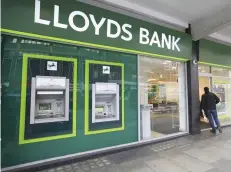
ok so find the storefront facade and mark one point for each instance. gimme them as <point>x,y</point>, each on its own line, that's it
<point>77,79</point>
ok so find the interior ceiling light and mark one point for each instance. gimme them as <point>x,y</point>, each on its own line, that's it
<point>166,62</point>
<point>229,73</point>
<point>174,67</point>
<point>152,79</point>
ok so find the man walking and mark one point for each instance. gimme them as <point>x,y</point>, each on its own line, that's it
<point>208,104</point>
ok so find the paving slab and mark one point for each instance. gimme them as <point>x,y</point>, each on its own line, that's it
<point>203,155</point>
<point>215,170</point>
<point>163,165</point>
<point>130,155</point>
<point>191,164</point>
<point>223,164</point>
<point>135,166</point>
<point>223,153</point>
<point>106,169</point>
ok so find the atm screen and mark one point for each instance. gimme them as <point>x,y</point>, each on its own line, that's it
<point>99,109</point>
<point>45,106</point>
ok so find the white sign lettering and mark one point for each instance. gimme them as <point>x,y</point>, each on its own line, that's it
<point>37,14</point>
<point>114,29</point>
<point>110,24</point>
<point>56,18</point>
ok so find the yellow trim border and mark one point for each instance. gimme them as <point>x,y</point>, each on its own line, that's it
<point>23,98</point>
<point>56,39</point>
<point>86,114</point>
<point>215,65</point>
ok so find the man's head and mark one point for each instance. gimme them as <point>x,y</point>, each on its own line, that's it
<point>206,89</point>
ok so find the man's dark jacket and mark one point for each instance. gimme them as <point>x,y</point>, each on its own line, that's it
<point>209,101</point>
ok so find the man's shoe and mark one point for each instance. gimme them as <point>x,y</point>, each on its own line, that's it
<point>213,131</point>
<point>220,130</point>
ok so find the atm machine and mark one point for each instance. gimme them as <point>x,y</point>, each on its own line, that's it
<point>49,99</point>
<point>105,102</point>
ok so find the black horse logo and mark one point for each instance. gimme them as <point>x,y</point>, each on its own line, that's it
<point>51,65</point>
<point>106,69</point>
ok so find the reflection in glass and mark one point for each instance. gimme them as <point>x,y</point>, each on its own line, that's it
<point>220,72</point>
<point>221,87</point>
<point>203,69</point>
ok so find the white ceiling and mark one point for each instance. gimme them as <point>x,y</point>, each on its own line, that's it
<point>186,10</point>
<point>226,32</point>
<point>208,18</point>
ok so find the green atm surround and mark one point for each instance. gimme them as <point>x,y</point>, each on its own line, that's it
<point>24,97</point>
<point>87,102</point>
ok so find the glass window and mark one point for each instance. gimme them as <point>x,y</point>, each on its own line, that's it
<point>221,72</point>
<point>162,97</point>
<point>221,85</point>
<point>203,69</point>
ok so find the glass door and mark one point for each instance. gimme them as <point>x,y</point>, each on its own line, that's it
<point>163,104</point>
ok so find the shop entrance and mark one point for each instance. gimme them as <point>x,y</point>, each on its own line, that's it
<point>204,81</point>
<point>219,82</point>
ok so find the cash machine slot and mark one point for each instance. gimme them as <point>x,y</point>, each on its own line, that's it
<point>105,102</point>
<point>49,99</point>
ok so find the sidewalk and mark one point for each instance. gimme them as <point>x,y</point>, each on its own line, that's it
<point>200,153</point>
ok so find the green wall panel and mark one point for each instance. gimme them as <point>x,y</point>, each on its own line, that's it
<point>13,153</point>
<point>37,67</point>
<point>215,53</point>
